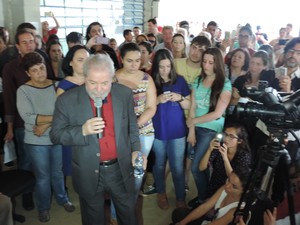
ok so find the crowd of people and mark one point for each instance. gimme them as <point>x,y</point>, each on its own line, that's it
<point>165,94</point>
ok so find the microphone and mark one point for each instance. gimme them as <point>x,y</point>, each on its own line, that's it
<point>98,105</point>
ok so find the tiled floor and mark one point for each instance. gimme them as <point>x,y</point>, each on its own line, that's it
<point>152,214</point>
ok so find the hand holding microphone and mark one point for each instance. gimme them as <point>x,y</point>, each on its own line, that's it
<point>96,124</point>
<point>98,106</point>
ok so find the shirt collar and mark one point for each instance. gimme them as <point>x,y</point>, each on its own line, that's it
<point>296,73</point>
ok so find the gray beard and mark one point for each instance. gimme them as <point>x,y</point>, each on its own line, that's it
<point>291,64</point>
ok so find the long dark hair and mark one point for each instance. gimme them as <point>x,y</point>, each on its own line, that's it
<point>243,174</point>
<point>49,45</point>
<point>66,67</point>
<point>129,47</point>
<point>242,135</point>
<point>162,54</point>
<point>218,84</point>
<point>88,30</point>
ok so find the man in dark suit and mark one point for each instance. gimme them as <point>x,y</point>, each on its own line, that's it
<point>100,165</point>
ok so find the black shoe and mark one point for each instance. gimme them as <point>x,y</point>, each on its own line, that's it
<point>194,203</point>
<point>69,207</point>
<point>19,218</point>
<point>28,201</point>
<point>9,164</point>
<point>149,190</point>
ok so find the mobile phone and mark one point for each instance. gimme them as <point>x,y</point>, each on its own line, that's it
<point>102,40</point>
<point>233,33</point>
<point>220,138</point>
<point>227,35</point>
<point>280,72</point>
<point>48,14</point>
<point>167,92</point>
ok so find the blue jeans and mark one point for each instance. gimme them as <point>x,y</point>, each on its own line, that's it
<point>201,178</point>
<point>146,145</point>
<point>174,151</point>
<point>24,161</point>
<point>47,167</point>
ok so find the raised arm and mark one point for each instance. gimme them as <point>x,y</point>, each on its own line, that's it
<point>55,20</point>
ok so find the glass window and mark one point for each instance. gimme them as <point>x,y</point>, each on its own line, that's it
<point>76,15</point>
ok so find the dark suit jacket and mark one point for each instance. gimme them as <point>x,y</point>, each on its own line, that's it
<point>72,110</point>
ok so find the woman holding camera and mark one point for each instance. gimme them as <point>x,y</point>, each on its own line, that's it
<point>225,155</point>
<point>211,94</point>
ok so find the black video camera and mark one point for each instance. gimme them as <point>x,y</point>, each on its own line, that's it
<point>272,109</point>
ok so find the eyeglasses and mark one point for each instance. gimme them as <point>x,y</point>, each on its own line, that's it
<point>152,41</point>
<point>292,51</point>
<point>230,136</point>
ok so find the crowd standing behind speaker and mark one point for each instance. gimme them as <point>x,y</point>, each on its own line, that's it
<point>207,63</point>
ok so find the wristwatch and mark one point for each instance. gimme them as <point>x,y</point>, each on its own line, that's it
<point>182,99</point>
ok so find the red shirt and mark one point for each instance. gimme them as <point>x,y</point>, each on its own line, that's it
<point>108,147</point>
<point>52,31</point>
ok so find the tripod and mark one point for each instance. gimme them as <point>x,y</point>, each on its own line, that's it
<point>255,198</point>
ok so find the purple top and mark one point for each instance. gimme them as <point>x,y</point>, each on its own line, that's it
<point>169,120</point>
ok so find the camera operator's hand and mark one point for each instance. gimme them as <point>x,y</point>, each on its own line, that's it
<point>241,221</point>
<point>285,83</point>
<point>214,144</point>
<point>223,150</point>
<point>269,217</point>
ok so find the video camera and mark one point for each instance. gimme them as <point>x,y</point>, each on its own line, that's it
<point>270,107</point>
<point>281,114</point>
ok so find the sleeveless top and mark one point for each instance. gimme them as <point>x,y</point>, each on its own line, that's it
<point>140,98</point>
<point>221,211</point>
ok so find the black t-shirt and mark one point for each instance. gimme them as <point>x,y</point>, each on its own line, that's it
<point>266,75</point>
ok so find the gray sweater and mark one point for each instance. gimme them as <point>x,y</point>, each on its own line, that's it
<point>31,102</point>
